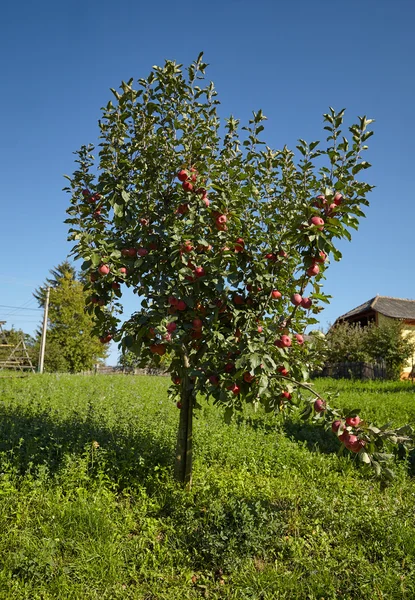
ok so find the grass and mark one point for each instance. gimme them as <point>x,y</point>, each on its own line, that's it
<point>89,510</point>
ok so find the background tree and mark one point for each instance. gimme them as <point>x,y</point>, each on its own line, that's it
<point>71,343</point>
<point>349,342</point>
<point>346,342</point>
<point>224,239</point>
<point>388,343</point>
<point>57,273</point>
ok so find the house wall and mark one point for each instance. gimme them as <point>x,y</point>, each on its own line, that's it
<point>408,331</point>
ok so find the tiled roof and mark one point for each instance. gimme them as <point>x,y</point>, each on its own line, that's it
<point>397,308</point>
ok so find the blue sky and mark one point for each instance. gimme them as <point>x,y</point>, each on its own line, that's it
<point>292,59</point>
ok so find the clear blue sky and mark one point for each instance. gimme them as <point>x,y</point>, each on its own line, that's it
<point>292,59</point>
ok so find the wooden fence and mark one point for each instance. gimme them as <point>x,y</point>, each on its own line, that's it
<point>355,370</point>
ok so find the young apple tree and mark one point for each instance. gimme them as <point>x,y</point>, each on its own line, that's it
<point>224,240</point>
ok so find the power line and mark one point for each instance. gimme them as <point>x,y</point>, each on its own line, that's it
<point>19,307</point>
<point>26,304</point>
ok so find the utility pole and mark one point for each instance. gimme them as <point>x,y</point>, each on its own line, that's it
<point>45,325</point>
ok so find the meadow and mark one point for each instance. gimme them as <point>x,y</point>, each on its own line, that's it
<point>89,509</point>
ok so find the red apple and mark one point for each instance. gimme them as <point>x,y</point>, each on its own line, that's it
<point>271,256</point>
<point>260,329</point>
<point>128,252</point>
<point>238,299</point>
<point>229,367</point>
<point>338,199</point>
<point>115,285</point>
<point>142,251</point>
<point>182,175</point>
<point>350,441</point>
<point>234,388</point>
<point>344,436</point>
<point>105,339</point>
<point>319,405</point>
<point>103,270</point>
<point>299,338</point>
<point>197,324</point>
<point>187,186</point>
<point>172,301</point>
<point>93,277</point>
<point>171,327</point>
<point>181,305</point>
<point>214,379</point>
<point>179,404</point>
<point>248,377</point>
<point>276,294</point>
<point>187,246</point>
<point>296,299</point>
<point>356,446</point>
<point>286,395</point>
<point>313,270</point>
<point>86,193</point>
<point>221,219</point>
<point>335,426</point>
<point>317,222</point>
<point>122,271</point>
<point>283,342</point>
<point>144,222</point>
<point>306,303</point>
<point>282,253</point>
<point>283,371</point>
<point>159,349</point>
<point>205,201</point>
<point>353,421</point>
<point>199,272</point>
<point>239,245</point>
<point>182,209</point>
<point>321,258</point>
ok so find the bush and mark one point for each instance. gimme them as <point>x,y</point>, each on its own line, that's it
<point>349,342</point>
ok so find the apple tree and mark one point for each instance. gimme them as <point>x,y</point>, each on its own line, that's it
<point>224,240</point>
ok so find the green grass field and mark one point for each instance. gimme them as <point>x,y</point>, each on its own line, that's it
<point>89,510</point>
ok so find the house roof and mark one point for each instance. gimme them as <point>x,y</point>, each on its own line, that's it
<point>397,308</point>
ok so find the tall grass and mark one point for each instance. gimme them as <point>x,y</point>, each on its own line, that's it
<point>89,509</point>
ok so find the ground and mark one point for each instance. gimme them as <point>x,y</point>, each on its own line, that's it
<point>89,509</point>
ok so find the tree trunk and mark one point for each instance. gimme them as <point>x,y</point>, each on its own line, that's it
<point>183,462</point>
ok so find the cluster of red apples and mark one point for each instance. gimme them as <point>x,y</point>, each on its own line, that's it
<point>344,429</point>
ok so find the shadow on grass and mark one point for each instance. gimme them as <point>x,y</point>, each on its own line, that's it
<point>219,530</point>
<point>316,438</point>
<point>28,440</point>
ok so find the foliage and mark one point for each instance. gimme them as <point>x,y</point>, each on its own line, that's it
<point>71,344</point>
<point>64,268</point>
<point>373,343</point>
<point>389,343</point>
<point>129,360</point>
<point>346,343</point>
<point>273,513</point>
<point>220,237</point>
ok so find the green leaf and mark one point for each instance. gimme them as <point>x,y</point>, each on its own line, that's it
<point>364,457</point>
<point>95,259</point>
